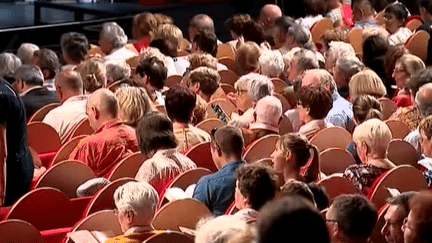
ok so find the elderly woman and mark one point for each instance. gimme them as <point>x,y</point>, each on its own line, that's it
<point>136,204</point>
<point>404,69</point>
<point>337,49</point>
<point>247,58</point>
<point>116,71</point>
<point>93,75</point>
<point>134,104</point>
<point>112,42</point>
<point>314,104</point>
<point>372,139</point>
<point>343,70</point>
<point>395,15</point>
<point>271,63</point>
<point>158,144</point>
<point>8,64</point>
<point>249,89</point>
<point>366,82</point>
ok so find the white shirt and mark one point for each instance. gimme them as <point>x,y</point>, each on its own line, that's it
<point>120,54</point>
<point>400,36</point>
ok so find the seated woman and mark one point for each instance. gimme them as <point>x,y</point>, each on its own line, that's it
<point>143,29</point>
<point>395,15</point>
<point>93,75</point>
<point>134,104</point>
<point>366,82</point>
<point>405,67</point>
<point>372,139</point>
<point>314,104</point>
<point>291,158</point>
<point>158,144</point>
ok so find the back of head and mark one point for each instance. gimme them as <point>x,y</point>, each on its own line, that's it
<point>291,217</point>
<point>423,99</point>
<point>320,195</point>
<point>419,79</point>
<point>268,14</point>
<point>144,24</point>
<point>319,78</point>
<point>93,74</point>
<point>180,103</point>
<point>165,46</point>
<point>355,215</point>
<point>247,57</point>
<point>306,59</point>
<point>271,63</point>
<point>70,80</point>
<point>411,64</point>
<point>338,49</point>
<point>154,132</point>
<point>425,127</point>
<point>365,6</point>
<point>335,34</point>
<point>25,52</point>
<point>268,111</point>
<point>301,35</point>
<point>134,104</point>
<point>208,78</point>
<point>228,140</point>
<point>117,70</point>
<point>427,5</point>
<point>297,188</point>
<point>421,211</point>
<point>219,230</point>
<point>206,41</point>
<point>115,34</point>
<point>154,69</point>
<point>374,133</point>
<point>163,19</point>
<point>8,65</point>
<point>106,102</point>
<point>202,22</point>
<point>367,82</point>
<point>171,33</point>
<point>373,47</point>
<point>202,60</point>
<point>403,202</point>
<point>348,66</point>
<point>74,46</point>
<point>366,107</point>
<point>30,74</point>
<point>253,31</point>
<point>48,60</point>
<point>235,23</point>
<point>258,183</point>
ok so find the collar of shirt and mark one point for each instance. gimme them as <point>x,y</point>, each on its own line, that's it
<point>138,229</point>
<point>30,89</point>
<point>76,98</point>
<point>264,126</point>
<point>109,124</point>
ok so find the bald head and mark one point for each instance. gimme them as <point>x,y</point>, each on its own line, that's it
<point>319,78</point>
<point>268,111</point>
<point>105,101</point>
<point>268,14</point>
<point>68,84</point>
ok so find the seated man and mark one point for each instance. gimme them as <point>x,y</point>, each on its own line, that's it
<point>266,119</point>
<point>301,61</point>
<point>351,218</point>
<point>417,226</point>
<point>364,14</point>
<point>48,61</point>
<point>180,103</point>
<point>70,91</point>
<point>396,213</point>
<point>136,204</point>
<point>111,142</point>
<point>74,48</point>
<point>216,191</point>
<point>344,69</point>
<point>28,83</point>
<point>151,74</point>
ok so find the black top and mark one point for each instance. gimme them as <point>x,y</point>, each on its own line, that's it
<point>38,98</point>
<point>19,164</point>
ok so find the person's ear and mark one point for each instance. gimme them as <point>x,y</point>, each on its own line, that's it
<point>130,217</point>
<point>46,73</point>
<point>289,156</point>
<point>96,113</point>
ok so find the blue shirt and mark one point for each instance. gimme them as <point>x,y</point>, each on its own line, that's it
<point>341,113</point>
<point>216,191</point>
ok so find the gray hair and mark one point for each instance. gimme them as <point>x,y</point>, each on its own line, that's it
<point>8,64</point>
<point>306,59</point>
<point>136,197</point>
<point>114,34</point>
<point>348,66</point>
<point>220,229</point>
<point>257,85</point>
<point>25,52</point>
<point>301,35</point>
<point>202,22</point>
<point>269,111</point>
<point>423,99</point>
<point>117,70</point>
<point>30,74</point>
<point>271,63</point>
<point>338,49</point>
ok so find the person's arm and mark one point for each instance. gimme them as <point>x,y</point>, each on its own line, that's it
<point>3,157</point>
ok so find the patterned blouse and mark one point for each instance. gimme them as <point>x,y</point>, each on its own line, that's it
<point>363,176</point>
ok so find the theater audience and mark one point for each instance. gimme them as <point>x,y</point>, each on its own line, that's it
<point>205,42</point>
<point>28,83</point>
<point>25,52</point>
<point>134,104</point>
<point>94,75</point>
<point>294,187</point>
<point>16,165</point>
<point>49,63</point>
<point>374,50</point>
<point>366,82</point>
<point>351,218</point>
<point>174,36</point>
<point>302,60</point>
<point>266,20</point>
<point>151,74</point>
<point>282,25</point>
<point>320,195</point>
<point>203,81</point>
<point>417,225</point>
<point>70,92</point>
<point>8,65</point>
<point>344,69</point>
<point>395,15</point>
<point>112,41</point>
<point>266,119</point>
<point>200,22</point>
<point>425,130</point>
<point>234,25</point>
<point>292,217</point>
<point>117,71</point>
<point>336,50</point>
<point>197,60</point>
<point>364,14</point>
<point>247,58</point>
<point>298,36</point>
<point>143,29</point>
<point>223,229</point>
<point>180,103</point>
<point>291,155</point>
<point>74,47</point>
<point>396,213</point>
<point>216,191</point>
<point>372,139</point>
<point>136,204</point>
<point>158,144</point>
<point>271,63</point>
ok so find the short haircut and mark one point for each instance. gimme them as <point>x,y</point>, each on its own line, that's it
<point>247,57</point>
<point>271,63</point>
<point>163,19</point>
<point>419,79</point>
<point>297,188</point>
<point>318,100</point>
<point>93,74</point>
<point>268,111</point>
<point>348,66</point>
<point>113,33</point>
<point>398,9</point>
<point>8,65</point>
<point>423,100</point>
<point>291,216</point>
<point>335,34</point>
<point>284,23</point>
<point>320,195</point>
<point>306,59</point>
<point>48,60</point>
<point>228,140</point>
<point>365,6</point>
<point>258,86</point>
<point>366,107</point>
<point>202,60</point>
<point>257,183</point>
<point>144,24</point>
<point>253,31</point>
<point>202,22</point>
<point>206,42</point>
<point>155,131</point>
<point>75,46</point>
<point>165,47</point>
<point>338,49</point>
<point>179,104</point>
<point>30,74</point>
<point>134,104</point>
<point>367,82</point>
<point>322,78</point>
<point>425,127</point>
<point>171,33</point>
<point>105,101</point>
<point>421,210</point>
<point>402,201</point>
<point>25,52</point>
<point>208,78</point>
<point>219,229</point>
<point>72,80</point>
<point>155,70</point>
<point>374,49</point>
<point>355,215</point>
<point>136,197</point>
<point>235,23</point>
<point>410,64</point>
<point>373,132</point>
<point>302,36</point>
<point>117,70</point>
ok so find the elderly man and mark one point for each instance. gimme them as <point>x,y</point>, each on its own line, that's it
<point>70,92</point>
<point>112,41</point>
<point>25,52</point>
<point>266,119</point>
<point>74,48</point>
<point>417,226</point>
<point>351,219</point>
<point>28,83</point>
<point>136,204</point>
<point>396,213</point>
<point>47,60</point>
<point>337,49</point>
<point>200,22</point>
<point>112,140</point>
<point>343,70</point>
<point>297,36</point>
<point>301,61</point>
<point>267,17</point>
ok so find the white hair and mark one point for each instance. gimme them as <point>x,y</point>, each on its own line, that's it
<point>136,197</point>
<point>338,49</point>
<point>219,230</point>
<point>257,85</point>
<point>117,70</point>
<point>114,34</point>
<point>268,111</point>
<point>373,132</point>
<point>271,63</point>
<point>25,52</point>
<point>348,66</point>
<point>8,64</point>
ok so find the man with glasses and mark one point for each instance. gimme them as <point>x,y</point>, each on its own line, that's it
<point>351,218</point>
<point>216,191</point>
<point>417,226</point>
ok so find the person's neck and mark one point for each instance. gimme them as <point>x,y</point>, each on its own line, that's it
<point>228,159</point>
<point>292,173</point>
<point>180,125</point>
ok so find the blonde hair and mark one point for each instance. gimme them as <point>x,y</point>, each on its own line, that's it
<point>134,104</point>
<point>374,133</point>
<point>411,64</point>
<point>163,19</point>
<point>197,60</point>
<point>247,57</point>
<point>171,33</point>
<point>144,24</point>
<point>93,74</point>
<point>366,82</point>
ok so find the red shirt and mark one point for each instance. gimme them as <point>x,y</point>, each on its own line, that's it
<point>107,146</point>
<point>142,44</point>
